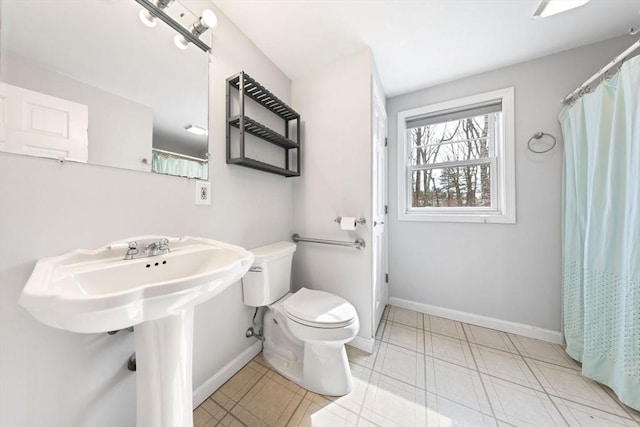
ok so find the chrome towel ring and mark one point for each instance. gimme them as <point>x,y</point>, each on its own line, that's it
<point>537,136</point>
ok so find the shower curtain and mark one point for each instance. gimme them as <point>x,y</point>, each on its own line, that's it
<point>172,165</point>
<point>601,232</point>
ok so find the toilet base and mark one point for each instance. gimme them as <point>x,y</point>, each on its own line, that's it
<point>322,368</point>
<point>326,369</point>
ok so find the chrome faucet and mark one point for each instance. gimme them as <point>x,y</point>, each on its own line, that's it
<point>160,247</point>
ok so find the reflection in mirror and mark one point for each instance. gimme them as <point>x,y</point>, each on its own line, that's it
<point>87,81</point>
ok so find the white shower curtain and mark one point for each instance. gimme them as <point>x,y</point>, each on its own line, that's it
<point>178,166</point>
<point>601,232</point>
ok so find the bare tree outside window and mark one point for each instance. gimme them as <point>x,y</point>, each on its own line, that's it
<point>451,163</point>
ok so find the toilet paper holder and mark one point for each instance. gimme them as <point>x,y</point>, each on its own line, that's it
<point>358,221</point>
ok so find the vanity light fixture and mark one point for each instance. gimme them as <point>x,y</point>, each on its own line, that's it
<point>206,21</point>
<point>155,10</point>
<point>148,18</point>
<point>552,7</point>
<point>196,130</point>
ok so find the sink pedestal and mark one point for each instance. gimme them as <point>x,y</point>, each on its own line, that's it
<point>164,357</point>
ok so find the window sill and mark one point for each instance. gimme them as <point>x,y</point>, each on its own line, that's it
<point>479,218</point>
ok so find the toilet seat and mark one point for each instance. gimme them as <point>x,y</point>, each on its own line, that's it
<point>319,309</point>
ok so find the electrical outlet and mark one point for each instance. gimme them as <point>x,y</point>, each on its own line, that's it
<point>203,193</point>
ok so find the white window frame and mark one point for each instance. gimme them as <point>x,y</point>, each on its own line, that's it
<point>503,186</point>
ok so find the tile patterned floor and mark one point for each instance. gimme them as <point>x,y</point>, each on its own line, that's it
<point>428,371</point>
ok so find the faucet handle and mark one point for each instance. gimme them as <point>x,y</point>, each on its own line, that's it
<point>163,244</point>
<point>133,250</point>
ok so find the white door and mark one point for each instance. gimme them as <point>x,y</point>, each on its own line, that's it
<point>41,125</point>
<point>379,244</point>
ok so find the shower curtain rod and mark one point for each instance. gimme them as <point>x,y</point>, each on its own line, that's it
<point>182,156</point>
<point>602,71</point>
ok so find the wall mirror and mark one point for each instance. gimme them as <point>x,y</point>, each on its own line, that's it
<point>88,81</point>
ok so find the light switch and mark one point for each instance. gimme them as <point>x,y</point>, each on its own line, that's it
<point>203,193</point>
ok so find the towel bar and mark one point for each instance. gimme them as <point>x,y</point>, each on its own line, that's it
<point>358,244</point>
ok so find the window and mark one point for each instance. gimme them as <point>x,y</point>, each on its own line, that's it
<point>456,160</point>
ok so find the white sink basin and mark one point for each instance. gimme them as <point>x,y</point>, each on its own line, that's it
<point>99,291</point>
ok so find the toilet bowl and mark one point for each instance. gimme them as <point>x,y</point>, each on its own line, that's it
<point>304,331</point>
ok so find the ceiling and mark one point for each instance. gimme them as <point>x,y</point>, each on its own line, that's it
<point>418,44</point>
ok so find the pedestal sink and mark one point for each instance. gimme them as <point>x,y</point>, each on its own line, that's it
<point>93,291</point>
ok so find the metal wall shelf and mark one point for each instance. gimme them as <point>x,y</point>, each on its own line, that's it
<point>261,131</point>
<point>256,164</point>
<point>261,95</point>
<point>247,86</point>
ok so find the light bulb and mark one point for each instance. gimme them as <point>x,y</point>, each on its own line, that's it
<point>147,18</point>
<point>208,18</point>
<point>181,42</point>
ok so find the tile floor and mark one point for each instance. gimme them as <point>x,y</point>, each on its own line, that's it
<point>428,371</point>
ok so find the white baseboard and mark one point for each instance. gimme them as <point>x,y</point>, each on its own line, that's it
<point>476,319</point>
<point>363,344</point>
<point>222,376</point>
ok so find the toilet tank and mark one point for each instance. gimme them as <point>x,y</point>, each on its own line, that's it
<point>269,278</point>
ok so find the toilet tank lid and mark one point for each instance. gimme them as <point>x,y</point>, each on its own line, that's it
<point>272,251</point>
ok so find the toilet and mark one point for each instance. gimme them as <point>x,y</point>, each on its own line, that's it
<point>304,332</point>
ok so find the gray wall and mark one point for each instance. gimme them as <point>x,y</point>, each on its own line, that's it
<point>502,271</point>
<point>54,378</point>
<point>335,105</point>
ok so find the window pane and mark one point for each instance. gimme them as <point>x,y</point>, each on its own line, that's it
<point>450,152</point>
<point>463,139</point>
<point>460,186</point>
